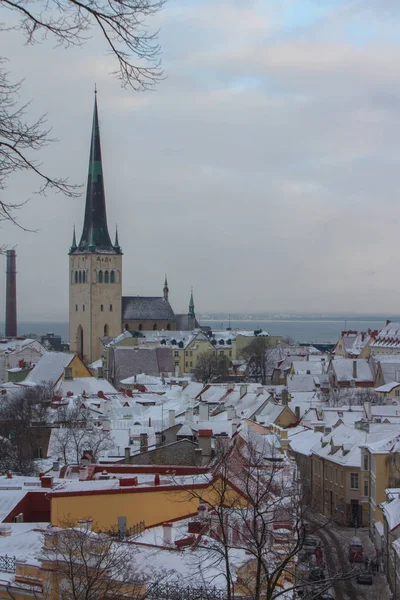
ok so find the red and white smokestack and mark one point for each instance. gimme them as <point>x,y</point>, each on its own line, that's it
<point>11,295</point>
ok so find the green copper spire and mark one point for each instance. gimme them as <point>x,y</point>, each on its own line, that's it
<point>95,236</point>
<point>165,289</point>
<point>191,306</point>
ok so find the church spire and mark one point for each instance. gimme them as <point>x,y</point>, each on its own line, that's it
<point>117,247</point>
<point>165,289</point>
<point>95,234</point>
<point>73,245</point>
<point>191,312</point>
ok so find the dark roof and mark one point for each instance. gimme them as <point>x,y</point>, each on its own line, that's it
<point>95,236</point>
<point>126,361</point>
<point>146,308</point>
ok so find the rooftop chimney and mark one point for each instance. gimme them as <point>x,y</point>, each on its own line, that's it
<point>354,369</point>
<point>144,442</point>
<point>11,295</point>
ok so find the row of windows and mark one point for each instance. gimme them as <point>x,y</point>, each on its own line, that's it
<point>140,327</point>
<point>354,477</point>
<point>98,276</point>
<point>101,308</point>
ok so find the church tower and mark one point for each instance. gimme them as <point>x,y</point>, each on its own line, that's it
<point>95,267</point>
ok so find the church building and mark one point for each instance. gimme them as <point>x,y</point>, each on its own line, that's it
<point>97,308</point>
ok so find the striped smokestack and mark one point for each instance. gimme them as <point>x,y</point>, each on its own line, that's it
<point>11,295</point>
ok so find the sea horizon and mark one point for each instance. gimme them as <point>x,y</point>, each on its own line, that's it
<point>301,328</point>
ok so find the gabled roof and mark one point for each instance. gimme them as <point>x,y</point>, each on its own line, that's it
<point>344,369</point>
<point>146,308</point>
<point>50,368</point>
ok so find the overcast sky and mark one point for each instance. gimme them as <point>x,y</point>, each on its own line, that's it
<point>264,170</point>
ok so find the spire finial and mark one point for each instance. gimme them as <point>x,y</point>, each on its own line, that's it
<point>191,312</point>
<point>95,88</point>
<point>73,246</point>
<point>117,247</point>
<point>166,289</point>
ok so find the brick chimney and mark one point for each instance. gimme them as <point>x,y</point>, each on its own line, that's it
<point>11,295</point>
<point>205,437</point>
<point>354,369</point>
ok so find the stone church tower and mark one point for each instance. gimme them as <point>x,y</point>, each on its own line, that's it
<point>95,268</point>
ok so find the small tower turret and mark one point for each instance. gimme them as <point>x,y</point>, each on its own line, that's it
<point>165,289</point>
<point>73,245</point>
<point>191,312</point>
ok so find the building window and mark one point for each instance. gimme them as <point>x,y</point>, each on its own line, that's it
<point>112,277</point>
<point>101,308</point>
<point>341,478</point>
<point>105,330</point>
<point>110,307</point>
<point>155,327</point>
<point>76,308</point>
<point>336,477</point>
<point>186,363</point>
<point>83,277</point>
<point>168,327</point>
<point>366,462</point>
<point>126,326</point>
<point>106,277</point>
<point>191,364</point>
<point>366,488</point>
<point>187,353</point>
<point>76,276</point>
<point>100,276</point>
<point>330,473</point>
<point>140,327</point>
<point>397,393</point>
<point>83,308</point>
<point>354,481</point>
<point>190,353</point>
<point>176,354</point>
<point>80,276</point>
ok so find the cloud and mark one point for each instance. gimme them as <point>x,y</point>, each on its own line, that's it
<point>263,170</point>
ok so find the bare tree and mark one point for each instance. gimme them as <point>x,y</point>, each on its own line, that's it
<point>255,511</point>
<point>89,565</point>
<point>24,422</point>
<point>211,367</point>
<point>70,23</point>
<point>78,432</point>
<point>354,396</point>
<point>258,355</point>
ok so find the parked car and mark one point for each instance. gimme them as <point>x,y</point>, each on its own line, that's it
<point>356,554</point>
<point>365,578</point>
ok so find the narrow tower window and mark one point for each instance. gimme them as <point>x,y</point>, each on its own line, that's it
<point>100,277</point>
<point>112,277</point>
<point>106,278</point>
<point>80,276</point>
<point>83,277</point>
<point>105,330</point>
<point>101,307</point>
<point>76,276</point>
<point>110,307</point>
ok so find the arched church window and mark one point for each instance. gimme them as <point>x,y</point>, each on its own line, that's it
<point>100,276</point>
<point>106,277</point>
<point>112,277</point>
<point>118,277</point>
<point>76,276</point>
<point>83,277</point>
<point>105,330</point>
<point>80,276</point>
<point>155,327</point>
<point>140,327</point>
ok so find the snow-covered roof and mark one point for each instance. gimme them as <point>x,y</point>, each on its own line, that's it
<point>391,510</point>
<point>89,385</point>
<point>49,368</point>
<point>302,383</point>
<point>347,369</point>
<point>387,387</point>
<point>302,440</point>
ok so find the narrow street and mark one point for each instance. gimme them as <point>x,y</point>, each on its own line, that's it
<point>336,541</point>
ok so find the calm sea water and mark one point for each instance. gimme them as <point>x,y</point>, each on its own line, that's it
<point>301,330</point>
